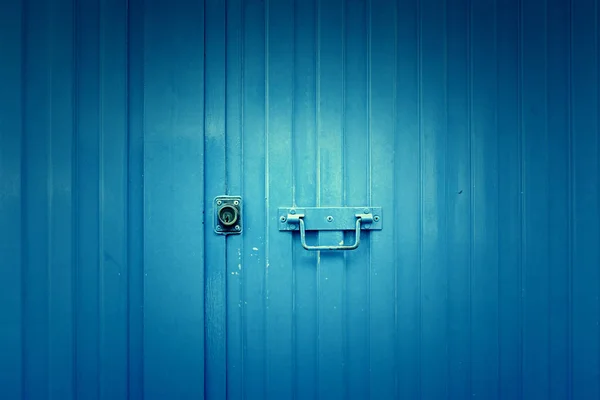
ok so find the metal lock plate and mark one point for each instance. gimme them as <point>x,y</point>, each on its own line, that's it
<point>330,218</point>
<point>227,215</point>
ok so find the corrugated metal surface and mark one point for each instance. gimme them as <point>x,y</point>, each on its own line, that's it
<point>474,124</point>
<point>101,198</point>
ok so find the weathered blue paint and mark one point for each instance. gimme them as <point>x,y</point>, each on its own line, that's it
<point>474,125</point>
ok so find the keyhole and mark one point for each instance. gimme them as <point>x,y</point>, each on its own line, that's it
<point>228,215</point>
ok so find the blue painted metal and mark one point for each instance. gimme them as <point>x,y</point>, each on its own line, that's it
<point>101,249</point>
<point>466,120</point>
<point>474,125</point>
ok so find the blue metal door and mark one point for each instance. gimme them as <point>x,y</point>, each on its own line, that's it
<point>474,126</point>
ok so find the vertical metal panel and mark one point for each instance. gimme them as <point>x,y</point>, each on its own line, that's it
<point>304,152</point>
<point>37,178</point>
<point>11,205</point>
<point>101,255</point>
<point>380,317</point>
<point>484,170</point>
<point>356,189</point>
<point>113,199</point>
<point>87,188</point>
<point>251,178</point>
<point>458,202</point>
<point>216,184</point>
<point>470,123</point>
<point>279,266</point>
<point>234,122</point>
<point>508,119</point>
<point>135,199</point>
<point>329,187</point>
<point>585,199</point>
<point>534,152</point>
<point>173,200</point>
<point>407,195</point>
<point>432,241</point>
<point>558,176</point>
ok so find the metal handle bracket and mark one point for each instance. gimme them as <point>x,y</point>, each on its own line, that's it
<point>330,218</point>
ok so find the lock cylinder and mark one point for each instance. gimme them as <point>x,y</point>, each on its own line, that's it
<point>228,215</point>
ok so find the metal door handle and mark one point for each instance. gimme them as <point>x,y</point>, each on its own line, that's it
<point>298,219</point>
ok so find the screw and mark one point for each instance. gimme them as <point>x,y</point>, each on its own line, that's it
<point>366,210</point>
<point>219,202</point>
<point>236,203</point>
<point>282,218</point>
<point>292,226</point>
<point>376,218</point>
<point>237,228</point>
<point>219,228</point>
<point>292,212</point>
<point>329,219</point>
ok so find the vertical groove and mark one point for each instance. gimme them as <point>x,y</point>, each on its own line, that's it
<point>142,204</point>
<point>23,210</point>
<point>75,194</point>
<point>293,168</point>
<point>522,188</point>
<point>549,214</point>
<point>205,323</point>
<point>241,174</point>
<point>498,213</point>
<point>420,124</point>
<point>49,183</point>
<point>420,127</point>
<point>369,114</point>
<point>446,203</point>
<point>128,188</point>
<point>101,322</point>
<point>343,305</point>
<point>204,219</point>
<point>570,206</point>
<point>225,83</point>
<point>369,181</point>
<point>24,246</point>
<point>395,209</point>
<point>445,198</point>
<point>293,127</point>
<point>395,201</point>
<point>128,250</point>
<point>267,197</point>
<point>318,182</point>
<point>226,174</point>
<point>421,207</point>
<point>135,192</point>
<point>318,106</point>
<point>597,22</point>
<point>471,201</point>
